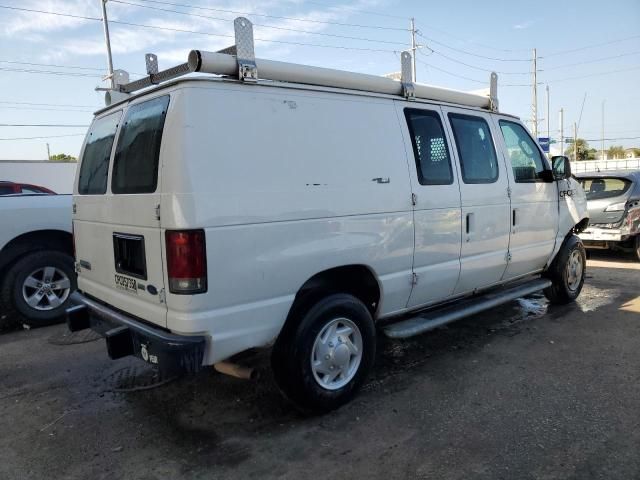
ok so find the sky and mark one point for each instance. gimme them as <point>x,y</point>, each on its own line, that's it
<point>588,55</point>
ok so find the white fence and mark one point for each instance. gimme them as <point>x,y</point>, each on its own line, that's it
<point>52,175</point>
<point>599,165</point>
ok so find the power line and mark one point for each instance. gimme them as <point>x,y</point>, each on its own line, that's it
<point>48,104</point>
<point>562,52</point>
<point>54,125</point>
<point>488,47</point>
<point>307,32</point>
<point>475,67</point>
<point>368,12</point>
<point>11,107</point>
<point>131,24</point>
<point>591,61</point>
<point>496,59</point>
<point>13,62</point>
<point>235,12</point>
<point>43,136</point>
<point>50,72</point>
<point>593,74</point>
<point>483,82</point>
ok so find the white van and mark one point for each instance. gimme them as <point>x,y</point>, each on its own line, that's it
<point>216,215</point>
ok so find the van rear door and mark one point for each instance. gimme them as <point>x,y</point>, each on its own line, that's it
<point>117,222</point>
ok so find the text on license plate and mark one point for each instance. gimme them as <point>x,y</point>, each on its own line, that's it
<point>126,283</point>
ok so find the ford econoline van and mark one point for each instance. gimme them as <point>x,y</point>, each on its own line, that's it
<point>305,210</point>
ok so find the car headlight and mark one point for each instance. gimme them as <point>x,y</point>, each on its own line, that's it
<point>616,207</point>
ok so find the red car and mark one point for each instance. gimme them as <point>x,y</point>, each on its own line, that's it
<point>12,188</point>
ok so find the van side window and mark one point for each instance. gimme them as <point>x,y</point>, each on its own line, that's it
<point>94,165</point>
<point>429,147</point>
<point>478,160</point>
<point>526,159</point>
<point>135,167</point>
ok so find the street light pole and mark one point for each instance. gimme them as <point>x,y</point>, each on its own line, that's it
<point>562,131</point>
<point>602,146</point>
<point>105,23</point>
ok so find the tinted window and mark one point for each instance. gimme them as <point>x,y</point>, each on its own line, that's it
<point>94,166</point>
<point>526,159</point>
<point>32,190</point>
<point>597,188</point>
<point>135,167</point>
<point>6,190</point>
<point>477,154</point>
<point>429,147</point>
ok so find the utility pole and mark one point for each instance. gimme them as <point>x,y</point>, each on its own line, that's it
<point>562,131</point>
<point>414,47</point>
<point>105,23</point>
<point>48,153</point>
<point>575,142</point>
<point>548,117</point>
<point>534,99</point>
<point>603,131</point>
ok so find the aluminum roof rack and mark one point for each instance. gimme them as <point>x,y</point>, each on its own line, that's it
<point>239,61</point>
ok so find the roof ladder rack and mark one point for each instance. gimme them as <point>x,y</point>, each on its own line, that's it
<point>239,61</point>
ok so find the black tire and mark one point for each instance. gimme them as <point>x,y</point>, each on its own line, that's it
<point>636,248</point>
<point>292,354</point>
<point>11,290</point>
<point>562,291</point>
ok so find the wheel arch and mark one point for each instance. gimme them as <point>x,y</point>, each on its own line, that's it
<point>357,280</point>
<point>21,245</point>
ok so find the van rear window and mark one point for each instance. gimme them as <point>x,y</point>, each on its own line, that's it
<point>94,166</point>
<point>135,167</point>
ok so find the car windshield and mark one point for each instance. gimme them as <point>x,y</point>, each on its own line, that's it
<point>597,188</point>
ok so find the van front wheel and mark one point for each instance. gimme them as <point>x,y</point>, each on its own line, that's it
<point>567,272</point>
<point>322,362</point>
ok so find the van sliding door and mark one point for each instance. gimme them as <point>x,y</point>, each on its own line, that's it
<point>437,218</point>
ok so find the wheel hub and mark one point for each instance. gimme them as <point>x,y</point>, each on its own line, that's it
<point>46,288</point>
<point>336,354</point>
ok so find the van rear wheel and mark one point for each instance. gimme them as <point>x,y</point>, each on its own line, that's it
<point>321,363</point>
<point>567,272</point>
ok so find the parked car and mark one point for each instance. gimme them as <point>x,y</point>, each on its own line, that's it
<point>36,258</point>
<point>613,199</point>
<point>13,188</point>
<point>214,215</point>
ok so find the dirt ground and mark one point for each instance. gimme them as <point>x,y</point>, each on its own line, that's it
<point>525,391</point>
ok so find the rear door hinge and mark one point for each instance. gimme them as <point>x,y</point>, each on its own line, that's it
<point>508,257</point>
<point>158,212</point>
<point>509,192</point>
<point>414,278</point>
<point>414,199</point>
<point>162,296</point>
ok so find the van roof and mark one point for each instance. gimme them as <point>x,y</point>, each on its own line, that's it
<point>281,85</point>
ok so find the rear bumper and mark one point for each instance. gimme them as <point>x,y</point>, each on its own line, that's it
<point>127,336</point>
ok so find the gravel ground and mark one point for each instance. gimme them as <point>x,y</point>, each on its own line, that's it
<point>525,391</point>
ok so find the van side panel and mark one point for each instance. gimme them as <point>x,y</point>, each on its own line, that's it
<point>286,184</point>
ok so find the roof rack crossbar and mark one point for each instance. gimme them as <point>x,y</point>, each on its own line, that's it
<point>238,61</point>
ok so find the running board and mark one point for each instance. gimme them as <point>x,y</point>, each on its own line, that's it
<point>464,308</point>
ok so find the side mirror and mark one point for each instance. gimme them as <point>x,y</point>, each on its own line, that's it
<point>561,167</point>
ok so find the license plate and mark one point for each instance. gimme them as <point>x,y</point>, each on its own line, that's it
<point>126,283</point>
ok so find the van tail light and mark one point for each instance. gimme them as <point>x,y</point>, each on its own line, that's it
<point>186,261</point>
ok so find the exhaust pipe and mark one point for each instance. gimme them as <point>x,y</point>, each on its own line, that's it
<point>235,370</point>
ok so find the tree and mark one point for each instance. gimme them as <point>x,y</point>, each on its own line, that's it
<point>615,151</point>
<point>62,157</point>
<point>583,150</point>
